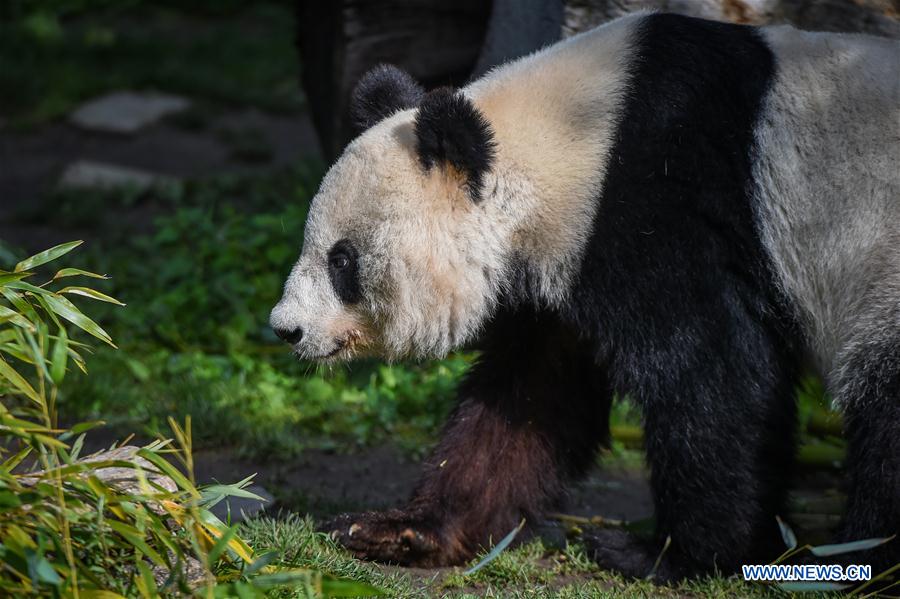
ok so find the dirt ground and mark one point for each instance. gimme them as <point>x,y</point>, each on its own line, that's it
<point>180,147</point>
<point>323,483</point>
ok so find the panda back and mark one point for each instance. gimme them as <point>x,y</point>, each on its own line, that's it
<point>827,185</point>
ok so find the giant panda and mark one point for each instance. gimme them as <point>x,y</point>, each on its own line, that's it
<point>686,212</point>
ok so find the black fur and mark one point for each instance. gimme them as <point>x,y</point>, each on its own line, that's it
<point>451,130</point>
<point>675,305</point>
<point>872,427</point>
<point>381,92</point>
<point>345,279</point>
<point>532,413</point>
<point>677,291</point>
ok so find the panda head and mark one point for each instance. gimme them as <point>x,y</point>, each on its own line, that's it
<point>403,252</point>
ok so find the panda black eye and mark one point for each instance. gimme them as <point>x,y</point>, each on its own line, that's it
<point>344,271</point>
<point>339,261</point>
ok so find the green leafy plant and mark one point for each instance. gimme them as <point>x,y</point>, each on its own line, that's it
<point>122,522</point>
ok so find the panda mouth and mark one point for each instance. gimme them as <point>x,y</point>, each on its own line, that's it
<point>349,344</point>
<point>341,344</point>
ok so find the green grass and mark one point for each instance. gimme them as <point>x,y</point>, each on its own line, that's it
<point>533,569</point>
<point>54,55</point>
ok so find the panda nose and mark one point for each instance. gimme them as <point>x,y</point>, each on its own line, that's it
<point>292,336</point>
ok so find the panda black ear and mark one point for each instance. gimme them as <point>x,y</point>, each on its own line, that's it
<point>450,130</point>
<point>380,93</point>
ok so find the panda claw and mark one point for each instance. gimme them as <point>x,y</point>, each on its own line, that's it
<point>393,537</point>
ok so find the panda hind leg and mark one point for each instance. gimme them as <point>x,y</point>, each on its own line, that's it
<point>869,392</point>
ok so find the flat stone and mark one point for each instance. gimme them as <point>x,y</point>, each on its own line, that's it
<point>85,173</point>
<point>122,478</point>
<point>126,111</point>
<point>242,508</point>
<point>192,571</point>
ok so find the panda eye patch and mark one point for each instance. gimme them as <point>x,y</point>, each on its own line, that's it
<point>343,270</point>
<point>339,261</point>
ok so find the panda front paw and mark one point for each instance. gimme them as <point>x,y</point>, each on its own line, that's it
<point>622,552</point>
<point>395,537</point>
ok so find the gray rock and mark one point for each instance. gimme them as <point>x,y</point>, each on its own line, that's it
<point>126,112</point>
<point>192,572</point>
<point>242,508</point>
<point>85,173</point>
<point>123,478</point>
<point>861,16</point>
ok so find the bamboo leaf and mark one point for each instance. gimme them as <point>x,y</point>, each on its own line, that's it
<point>79,361</point>
<point>37,355</point>
<point>145,582</point>
<point>790,539</point>
<point>91,293</point>
<point>14,317</point>
<point>259,562</point>
<point>8,499</point>
<point>6,277</point>
<point>244,590</point>
<point>47,256</point>
<point>67,310</point>
<point>136,538</point>
<point>46,440</point>
<point>341,587</point>
<point>18,302</point>
<point>497,550</point>
<point>840,548</point>
<point>15,460</point>
<point>82,427</point>
<point>48,310</point>
<point>40,570</point>
<point>74,272</point>
<point>9,373</point>
<point>76,446</point>
<point>284,577</point>
<point>215,528</point>
<point>98,594</point>
<point>168,469</point>
<point>59,358</point>
<point>221,545</point>
<point>213,491</point>
<point>17,352</point>
<point>26,286</point>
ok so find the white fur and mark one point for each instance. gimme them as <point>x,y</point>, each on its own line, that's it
<point>555,114</point>
<point>828,185</point>
<point>433,262</point>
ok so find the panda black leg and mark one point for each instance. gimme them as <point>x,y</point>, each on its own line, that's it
<point>870,395</point>
<point>532,412</point>
<point>719,437</point>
